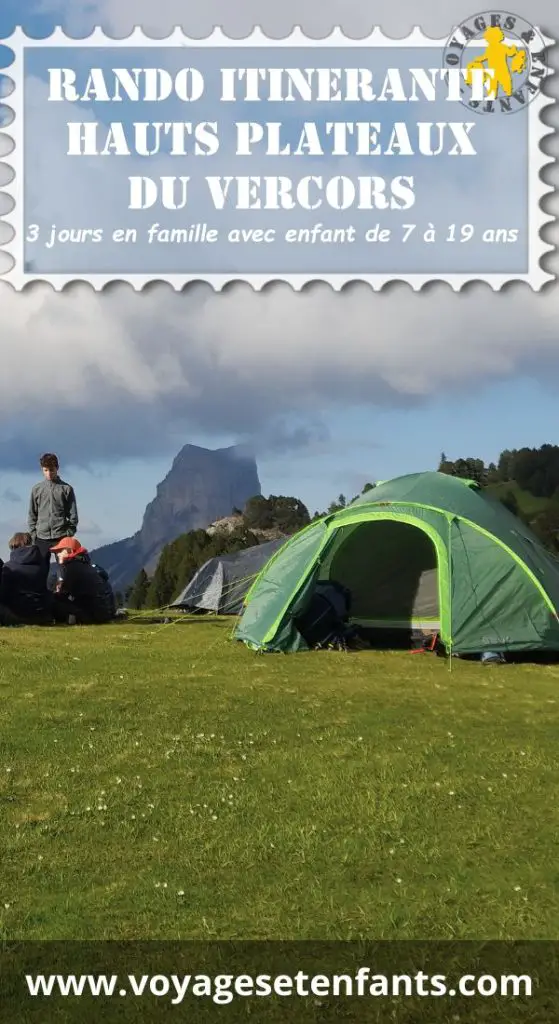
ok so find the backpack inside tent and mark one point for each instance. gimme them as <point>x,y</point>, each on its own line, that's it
<point>421,552</point>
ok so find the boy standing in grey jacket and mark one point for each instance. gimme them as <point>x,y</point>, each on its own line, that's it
<point>53,512</point>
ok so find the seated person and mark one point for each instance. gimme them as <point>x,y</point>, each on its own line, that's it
<point>23,582</point>
<point>83,590</point>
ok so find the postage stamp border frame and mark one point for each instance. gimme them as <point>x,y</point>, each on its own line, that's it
<point>17,278</point>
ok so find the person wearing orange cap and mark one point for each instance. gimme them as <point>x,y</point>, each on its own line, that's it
<point>83,590</point>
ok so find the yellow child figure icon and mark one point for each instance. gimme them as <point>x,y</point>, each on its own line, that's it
<point>496,57</point>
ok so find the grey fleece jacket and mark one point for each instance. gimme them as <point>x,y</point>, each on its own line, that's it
<point>53,512</point>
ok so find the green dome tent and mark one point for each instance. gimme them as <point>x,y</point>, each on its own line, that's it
<point>420,550</point>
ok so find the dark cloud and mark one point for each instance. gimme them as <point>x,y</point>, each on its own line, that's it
<point>122,374</point>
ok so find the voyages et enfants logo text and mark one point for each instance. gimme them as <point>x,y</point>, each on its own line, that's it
<point>509,52</point>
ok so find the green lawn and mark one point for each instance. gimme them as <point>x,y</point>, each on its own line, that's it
<point>165,782</point>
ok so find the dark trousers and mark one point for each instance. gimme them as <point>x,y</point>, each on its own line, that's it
<point>63,608</point>
<point>7,617</point>
<point>44,547</point>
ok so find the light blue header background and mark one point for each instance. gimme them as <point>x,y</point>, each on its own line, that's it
<point>487,191</point>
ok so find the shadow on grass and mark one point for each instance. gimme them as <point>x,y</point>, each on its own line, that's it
<point>123,623</point>
<point>166,620</point>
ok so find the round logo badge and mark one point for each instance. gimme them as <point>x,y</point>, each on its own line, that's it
<point>501,59</point>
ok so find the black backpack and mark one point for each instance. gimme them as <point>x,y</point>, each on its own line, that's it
<point>323,623</point>
<point>108,595</point>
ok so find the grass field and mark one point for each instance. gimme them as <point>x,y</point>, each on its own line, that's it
<point>165,782</point>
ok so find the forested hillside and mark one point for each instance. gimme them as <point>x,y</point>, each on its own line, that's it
<point>526,480</point>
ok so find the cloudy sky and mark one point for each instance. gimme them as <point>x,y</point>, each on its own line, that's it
<point>331,389</point>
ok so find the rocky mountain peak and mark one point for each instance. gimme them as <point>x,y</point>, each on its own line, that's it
<point>202,485</point>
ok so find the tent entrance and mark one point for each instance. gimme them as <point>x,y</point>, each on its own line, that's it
<point>390,567</point>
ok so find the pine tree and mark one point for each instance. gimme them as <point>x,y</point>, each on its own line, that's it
<point>138,593</point>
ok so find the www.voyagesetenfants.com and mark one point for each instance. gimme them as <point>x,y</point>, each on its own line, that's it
<point>224,988</point>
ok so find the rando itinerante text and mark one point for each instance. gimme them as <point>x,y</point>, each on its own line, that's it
<point>320,137</point>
